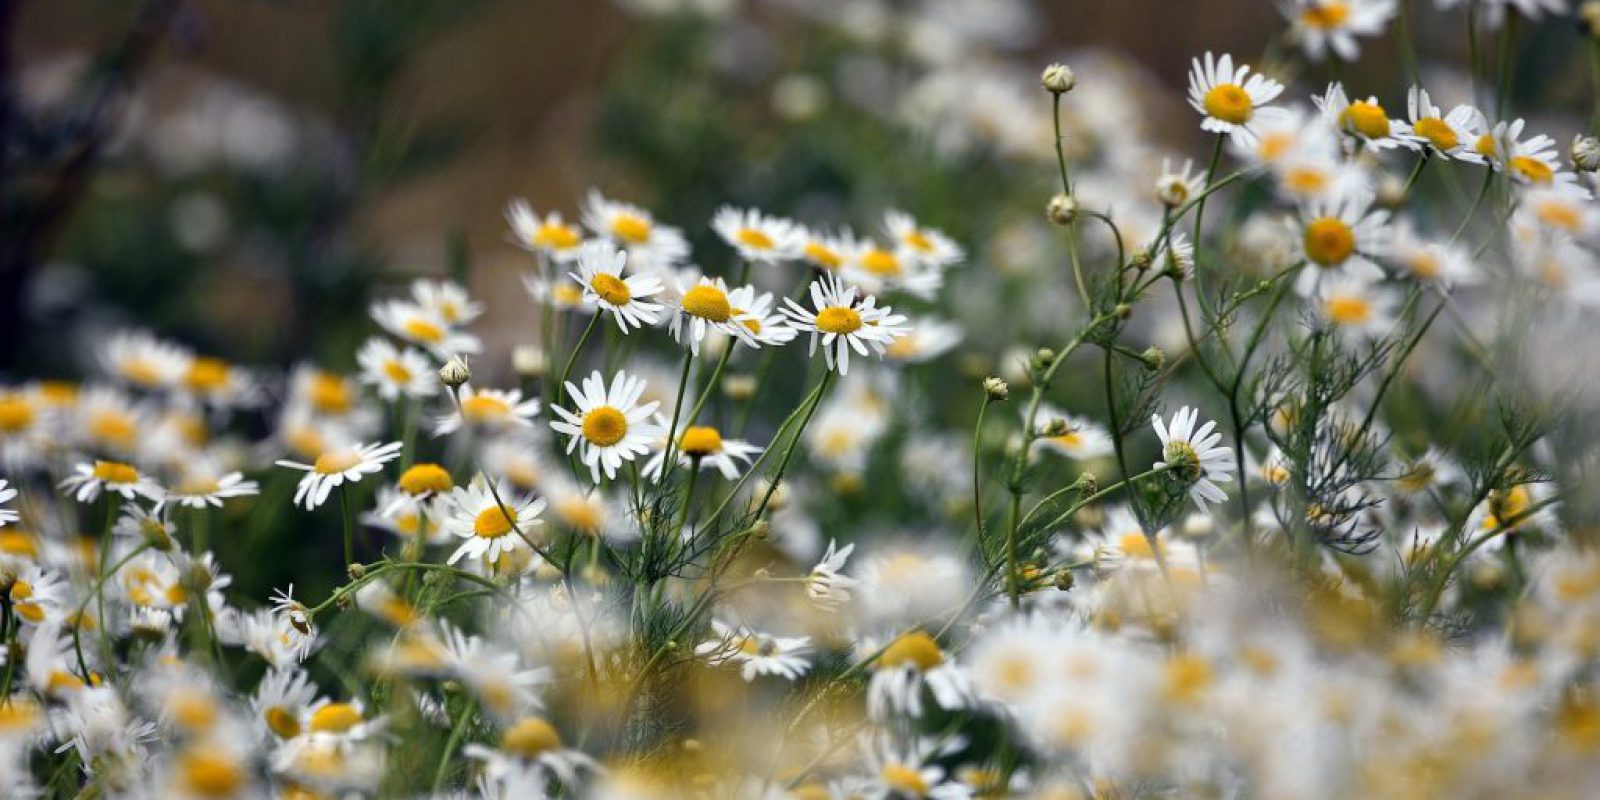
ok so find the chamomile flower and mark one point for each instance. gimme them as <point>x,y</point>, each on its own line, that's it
<point>486,527</point>
<point>282,702</point>
<point>1449,134</point>
<point>706,306</point>
<point>880,268</point>
<point>530,741</point>
<point>1364,120</point>
<point>826,586</point>
<point>1175,256</point>
<point>927,245</point>
<point>1535,161</point>
<point>842,323</point>
<point>494,674</point>
<point>446,300</point>
<point>549,234</point>
<point>1232,100</point>
<point>88,480</point>
<point>600,275</point>
<point>1361,309</point>
<point>1193,457</point>
<point>703,445</point>
<point>609,424</point>
<point>1324,25</point>
<point>343,723</point>
<point>757,237</point>
<point>755,653</point>
<point>1340,236</point>
<point>396,371</point>
<point>411,322</point>
<point>1174,187</point>
<point>904,667</point>
<point>203,484</point>
<point>1561,210</point>
<point>1429,261</point>
<point>336,467</point>
<point>38,595</point>
<point>142,361</point>
<point>828,252</point>
<point>559,291</point>
<point>7,494</point>
<point>650,245</point>
<point>588,511</point>
<point>924,340</point>
<point>1072,436</point>
<point>755,312</point>
<point>488,410</point>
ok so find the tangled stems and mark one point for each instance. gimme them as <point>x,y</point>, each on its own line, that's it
<point>806,407</point>
<point>1436,590</point>
<point>96,592</point>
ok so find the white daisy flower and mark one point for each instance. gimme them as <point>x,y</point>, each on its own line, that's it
<point>145,362</point>
<point>528,746</point>
<point>600,275</point>
<point>7,494</point>
<point>826,585</point>
<point>1174,187</point>
<point>704,445</point>
<point>828,251</point>
<point>1365,120</point>
<point>1560,210</point>
<point>1193,455</point>
<point>707,306</point>
<point>1323,25</point>
<point>282,702</point>
<point>924,340</point>
<point>929,246</point>
<point>201,485</point>
<point>1535,161</point>
<point>842,322</point>
<point>548,234</point>
<point>758,238</point>
<point>1070,435</point>
<point>494,674</point>
<point>396,371</point>
<point>88,480</point>
<point>610,424</point>
<point>490,410</point>
<point>1232,100</point>
<point>446,300</point>
<point>879,268</point>
<point>1449,134</point>
<point>559,290</point>
<point>1431,261</point>
<point>762,322</point>
<point>488,528</point>
<point>906,666</point>
<point>1362,309</point>
<point>335,468</point>
<point>413,323</point>
<point>756,653</point>
<point>651,246</point>
<point>1341,236</point>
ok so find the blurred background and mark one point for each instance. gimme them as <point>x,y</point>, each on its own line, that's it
<point>245,174</point>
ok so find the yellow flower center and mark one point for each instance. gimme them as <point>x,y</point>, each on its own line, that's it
<point>916,649</point>
<point>1274,145</point>
<point>141,371</point>
<point>631,229</point>
<point>283,723</point>
<point>423,330</point>
<point>113,426</point>
<point>1367,119</point>
<point>333,463</point>
<point>556,237</point>
<point>195,712</point>
<point>823,255</point>
<point>530,737</point>
<point>752,238</point>
<point>1437,133</point>
<point>1507,508</point>
<point>1305,180</point>
<point>580,514</point>
<point>1329,241</point>
<point>749,321</point>
<point>1532,169</point>
<point>1347,310</point>
<point>396,371</point>
<point>919,241</point>
<point>610,288</point>
<point>17,543</point>
<point>1551,212</point>
<point>1134,544</point>
<point>484,408</point>
<point>207,374</point>
<point>904,780</point>
<point>18,714</point>
<point>329,394</point>
<point>707,302</point>
<point>565,294</point>
<point>700,441</point>
<point>879,261</point>
<point>604,426</point>
<point>494,522</point>
<point>1229,102</point>
<point>335,718</point>
<point>16,413</point>
<point>209,774</point>
<point>1186,677</point>
<point>115,472</point>
<point>1486,147</point>
<point>838,319</point>
<point>1425,265</point>
<point>1326,16</point>
<point>423,478</point>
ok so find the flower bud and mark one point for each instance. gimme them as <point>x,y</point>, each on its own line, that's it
<point>1153,357</point>
<point>356,571</point>
<point>739,387</point>
<point>995,388</point>
<point>1064,580</point>
<point>1055,426</point>
<point>1123,310</point>
<point>528,361</point>
<point>1391,192</point>
<point>1058,79</point>
<point>1586,153</point>
<point>1062,210</point>
<point>454,372</point>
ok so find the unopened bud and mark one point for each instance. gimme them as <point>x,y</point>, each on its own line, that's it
<point>1586,153</point>
<point>1153,357</point>
<point>1055,426</point>
<point>1064,580</point>
<point>1058,79</point>
<point>739,387</point>
<point>761,529</point>
<point>1391,192</point>
<point>356,571</point>
<point>454,372</point>
<point>156,535</point>
<point>1142,260</point>
<point>199,578</point>
<point>1088,483</point>
<point>528,361</point>
<point>995,388</point>
<point>1123,310</point>
<point>1063,209</point>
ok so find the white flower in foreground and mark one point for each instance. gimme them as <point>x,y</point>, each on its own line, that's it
<point>600,275</point>
<point>1366,120</point>
<point>843,323</point>
<point>89,480</point>
<point>1447,134</point>
<point>7,494</point>
<point>610,424</point>
<point>757,237</point>
<point>338,467</point>
<point>703,444</point>
<point>489,528</point>
<point>1340,236</point>
<point>1232,100</point>
<point>756,653</point>
<point>707,306</point>
<point>1193,456</point>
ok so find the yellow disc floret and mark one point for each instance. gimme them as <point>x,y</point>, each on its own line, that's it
<point>1229,102</point>
<point>604,426</point>
<point>610,288</point>
<point>1329,241</point>
<point>424,478</point>
<point>707,302</point>
<point>838,319</point>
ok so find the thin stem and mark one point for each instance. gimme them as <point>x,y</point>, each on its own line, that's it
<point>677,409</point>
<point>566,372</point>
<point>349,524</point>
<point>977,460</point>
<point>1488,178</point>
<point>456,735</point>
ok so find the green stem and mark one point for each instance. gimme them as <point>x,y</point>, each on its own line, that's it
<point>456,735</point>
<point>566,372</point>
<point>349,524</point>
<point>677,409</point>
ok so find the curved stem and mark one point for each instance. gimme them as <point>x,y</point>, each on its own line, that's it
<point>566,372</point>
